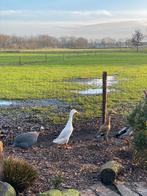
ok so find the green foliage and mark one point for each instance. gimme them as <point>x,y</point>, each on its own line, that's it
<point>138,121</point>
<point>52,192</point>
<point>56,181</point>
<point>140,140</point>
<point>71,192</point>
<point>56,192</point>
<point>19,173</point>
<point>138,118</point>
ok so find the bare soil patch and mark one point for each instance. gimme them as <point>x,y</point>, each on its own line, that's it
<point>78,166</point>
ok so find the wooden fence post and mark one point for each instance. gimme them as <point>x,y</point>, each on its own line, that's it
<point>104,97</point>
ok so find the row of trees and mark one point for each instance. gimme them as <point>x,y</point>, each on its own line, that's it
<point>42,41</point>
<point>46,41</point>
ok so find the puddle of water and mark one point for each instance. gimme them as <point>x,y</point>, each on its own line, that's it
<point>95,83</point>
<point>97,91</point>
<point>5,102</point>
<point>32,102</point>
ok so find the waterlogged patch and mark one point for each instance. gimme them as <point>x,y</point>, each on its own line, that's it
<point>95,83</point>
<point>89,91</point>
<point>5,102</point>
<point>33,102</point>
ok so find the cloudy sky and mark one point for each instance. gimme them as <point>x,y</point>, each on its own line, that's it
<point>31,17</point>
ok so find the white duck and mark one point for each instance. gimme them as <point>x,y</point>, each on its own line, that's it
<point>65,134</point>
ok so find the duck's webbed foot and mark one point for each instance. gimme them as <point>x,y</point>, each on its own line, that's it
<point>67,146</point>
<point>127,142</point>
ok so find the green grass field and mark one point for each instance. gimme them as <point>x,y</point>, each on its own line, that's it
<point>44,74</point>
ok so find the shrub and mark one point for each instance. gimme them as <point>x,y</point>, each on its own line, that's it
<point>140,149</point>
<point>138,117</point>
<point>19,173</point>
<point>138,121</point>
<point>140,140</point>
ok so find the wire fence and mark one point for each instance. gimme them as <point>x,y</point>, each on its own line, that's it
<point>33,58</point>
<point>61,89</point>
<point>53,57</point>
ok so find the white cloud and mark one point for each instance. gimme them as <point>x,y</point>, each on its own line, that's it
<point>88,13</point>
<point>66,16</point>
<point>49,12</point>
<point>53,15</point>
<point>74,12</point>
<point>10,12</point>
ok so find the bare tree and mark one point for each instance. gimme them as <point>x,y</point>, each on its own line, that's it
<point>137,37</point>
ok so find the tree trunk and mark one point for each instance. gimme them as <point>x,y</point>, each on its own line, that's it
<point>109,172</point>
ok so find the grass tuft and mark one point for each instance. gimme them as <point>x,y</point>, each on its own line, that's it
<point>19,173</point>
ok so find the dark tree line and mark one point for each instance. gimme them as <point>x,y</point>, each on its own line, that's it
<point>46,41</point>
<point>41,41</point>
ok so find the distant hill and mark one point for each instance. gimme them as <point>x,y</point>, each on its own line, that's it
<point>123,29</point>
<point>114,30</point>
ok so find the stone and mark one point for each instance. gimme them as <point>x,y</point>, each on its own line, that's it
<point>102,190</point>
<point>141,188</point>
<point>52,192</point>
<point>87,192</point>
<point>125,191</point>
<point>71,192</point>
<point>6,189</point>
<point>93,187</point>
<point>142,191</point>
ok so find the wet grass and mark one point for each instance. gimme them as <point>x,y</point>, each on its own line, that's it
<point>49,78</point>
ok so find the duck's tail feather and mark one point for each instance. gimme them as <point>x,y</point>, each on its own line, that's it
<point>59,141</point>
<point>99,135</point>
<point>122,132</point>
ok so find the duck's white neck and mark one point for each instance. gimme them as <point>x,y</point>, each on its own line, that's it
<point>70,118</point>
<point>37,132</point>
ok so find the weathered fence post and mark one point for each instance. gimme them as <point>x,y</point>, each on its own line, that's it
<point>104,96</point>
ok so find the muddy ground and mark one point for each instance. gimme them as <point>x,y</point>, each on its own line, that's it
<point>79,166</point>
